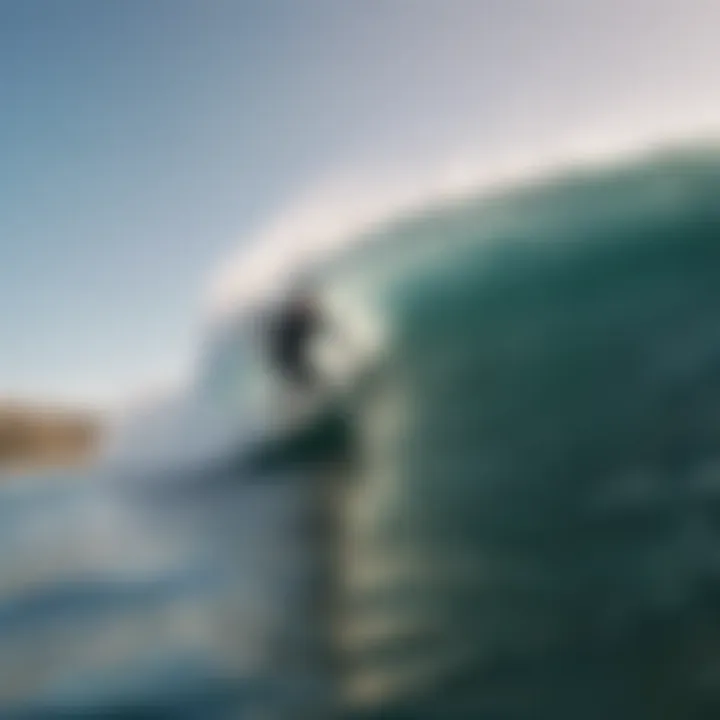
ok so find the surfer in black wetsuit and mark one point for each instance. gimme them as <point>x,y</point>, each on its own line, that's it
<point>322,433</point>
<point>289,337</point>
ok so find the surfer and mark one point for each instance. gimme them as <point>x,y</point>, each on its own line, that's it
<point>290,335</point>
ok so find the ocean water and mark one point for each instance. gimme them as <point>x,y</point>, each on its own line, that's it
<point>500,499</point>
<point>159,604</point>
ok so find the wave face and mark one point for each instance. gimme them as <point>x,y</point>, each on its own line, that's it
<point>530,520</point>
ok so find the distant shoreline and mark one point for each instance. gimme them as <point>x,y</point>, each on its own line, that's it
<point>41,438</point>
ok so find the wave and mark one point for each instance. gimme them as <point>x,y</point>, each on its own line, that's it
<point>532,504</point>
<point>524,487</point>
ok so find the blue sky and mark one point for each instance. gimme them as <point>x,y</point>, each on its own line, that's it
<point>142,140</point>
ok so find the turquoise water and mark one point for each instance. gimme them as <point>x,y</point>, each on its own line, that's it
<point>534,531</point>
<point>516,435</point>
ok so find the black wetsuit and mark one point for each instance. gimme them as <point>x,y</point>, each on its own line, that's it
<point>289,339</point>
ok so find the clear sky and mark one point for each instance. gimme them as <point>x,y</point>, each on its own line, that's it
<point>142,140</point>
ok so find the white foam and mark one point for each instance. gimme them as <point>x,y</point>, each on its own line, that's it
<point>338,211</point>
